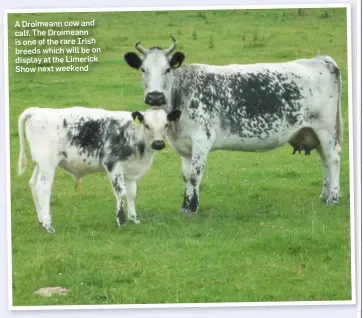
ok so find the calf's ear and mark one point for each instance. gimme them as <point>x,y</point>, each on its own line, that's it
<point>174,115</point>
<point>177,59</point>
<point>137,116</point>
<point>133,60</point>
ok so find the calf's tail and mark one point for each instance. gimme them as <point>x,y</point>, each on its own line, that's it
<point>22,157</point>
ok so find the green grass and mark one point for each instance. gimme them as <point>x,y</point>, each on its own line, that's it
<point>261,235</point>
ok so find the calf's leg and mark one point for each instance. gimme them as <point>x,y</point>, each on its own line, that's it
<point>115,174</point>
<point>131,195</point>
<point>42,191</point>
<point>32,184</point>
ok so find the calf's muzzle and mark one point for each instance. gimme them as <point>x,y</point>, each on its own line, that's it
<point>158,144</point>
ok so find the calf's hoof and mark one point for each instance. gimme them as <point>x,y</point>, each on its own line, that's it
<point>49,228</point>
<point>134,219</point>
<point>187,211</point>
<point>120,219</point>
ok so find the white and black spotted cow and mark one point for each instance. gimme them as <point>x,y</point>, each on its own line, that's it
<point>86,140</point>
<point>254,107</point>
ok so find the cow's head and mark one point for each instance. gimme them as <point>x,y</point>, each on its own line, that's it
<point>155,123</point>
<point>157,67</point>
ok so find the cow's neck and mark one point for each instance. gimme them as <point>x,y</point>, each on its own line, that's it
<point>180,87</point>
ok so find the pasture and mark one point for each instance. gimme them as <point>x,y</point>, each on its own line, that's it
<point>261,234</point>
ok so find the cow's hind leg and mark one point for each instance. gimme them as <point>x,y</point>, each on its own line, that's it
<point>117,180</point>
<point>326,176</point>
<point>193,176</point>
<point>32,184</point>
<point>131,195</point>
<point>330,154</point>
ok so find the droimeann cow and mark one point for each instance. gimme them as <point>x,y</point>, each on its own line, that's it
<point>253,107</point>
<point>86,140</point>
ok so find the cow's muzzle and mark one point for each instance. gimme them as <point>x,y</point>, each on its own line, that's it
<point>158,145</point>
<point>155,99</point>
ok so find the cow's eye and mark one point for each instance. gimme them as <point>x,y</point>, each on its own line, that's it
<point>147,126</point>
<point>168,70</point>
<point>142,70</point>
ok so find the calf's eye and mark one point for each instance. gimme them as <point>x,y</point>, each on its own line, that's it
<point>167,70</point>
<point>147,126</point>
<point>142,70</point>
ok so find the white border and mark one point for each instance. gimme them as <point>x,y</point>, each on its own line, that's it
<point>196,305</point>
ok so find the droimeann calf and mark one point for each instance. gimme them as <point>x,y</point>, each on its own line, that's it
<point>86,140</point>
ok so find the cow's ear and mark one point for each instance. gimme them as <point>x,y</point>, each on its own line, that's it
<point>133,60</point>
<point>177,59</point>
<point>137,116</point>
<point>174,115</point>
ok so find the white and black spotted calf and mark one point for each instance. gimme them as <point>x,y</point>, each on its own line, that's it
<point>255,107</point>
<point>86,140</point>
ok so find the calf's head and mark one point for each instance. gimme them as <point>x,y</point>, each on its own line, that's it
<point>157,66</point>
<point>154,125</point>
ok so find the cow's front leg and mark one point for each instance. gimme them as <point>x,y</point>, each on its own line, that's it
<point>193,176</point>
<point>117,180</point>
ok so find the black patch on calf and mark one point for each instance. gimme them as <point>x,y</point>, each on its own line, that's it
<point>174,115</point>
<point>88,135</point>
<point>141,147</point>
<point>118,142</point>
<point>65,123</point>
<point>64,154</point>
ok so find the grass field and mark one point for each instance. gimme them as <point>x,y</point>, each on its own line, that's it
<point>261,234</point>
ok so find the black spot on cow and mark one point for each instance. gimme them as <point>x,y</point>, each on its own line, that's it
<point>109,166</point>
<point>65,123</point>
<point>193,202</point>
<point>259,98</point>
<point>311,92</point>
<point>313,115</point>
<point>64,154</point>
<point>194,104</point>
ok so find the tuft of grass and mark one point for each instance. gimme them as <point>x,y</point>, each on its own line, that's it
<point>194,35</point>
<point>325,15</point>
<point>261,233</point>
<point>211,43</point>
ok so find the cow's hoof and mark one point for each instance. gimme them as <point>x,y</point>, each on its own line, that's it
<point>332,200</point>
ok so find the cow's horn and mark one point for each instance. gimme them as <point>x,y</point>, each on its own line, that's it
<point>140,48</point>
<point>172,48</point>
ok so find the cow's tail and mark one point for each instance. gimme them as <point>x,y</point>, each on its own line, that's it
<point>338,78</point>
<point>22,157</point>
<point>339,119</point>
